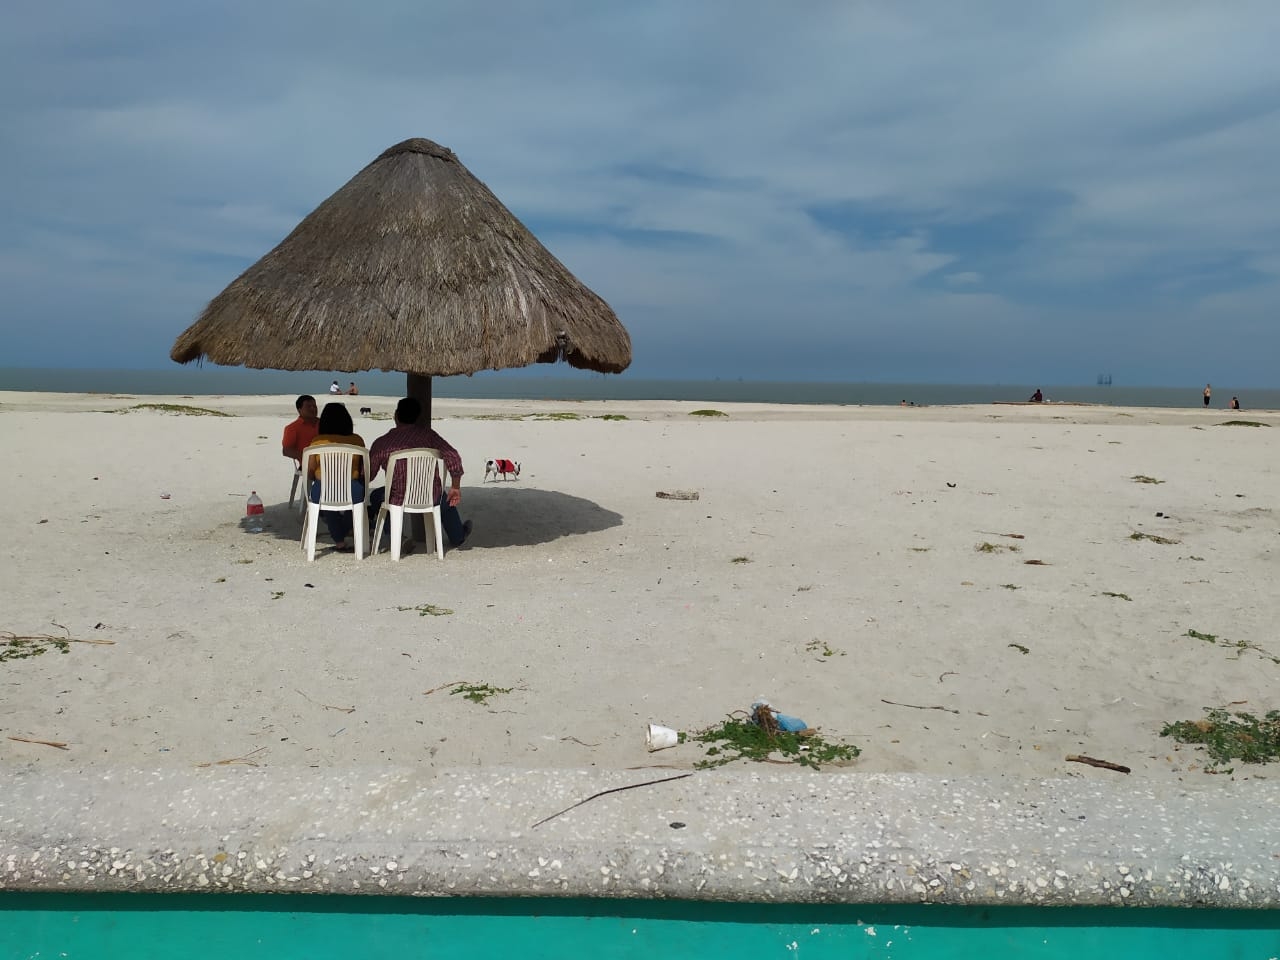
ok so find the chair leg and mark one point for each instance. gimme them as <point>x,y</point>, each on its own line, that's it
<point>309,530</point>
<point>435,515</point>
<point>397,530</point>
<point>377,530</point>
<point>360,529</point>
<point>293,488</point>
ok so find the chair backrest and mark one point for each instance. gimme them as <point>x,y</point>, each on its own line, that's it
<point>422,465</point>
<point>336,462</point>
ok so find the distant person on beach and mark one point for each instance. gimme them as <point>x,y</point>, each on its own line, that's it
<point>1235,403</point>
<point>1037,397</point>
<point>408,434</point>
<point>334,389</point>
<point>336,427</point>
<point>353,390</point>
<point>299,434</point>
<point>1208,394</point>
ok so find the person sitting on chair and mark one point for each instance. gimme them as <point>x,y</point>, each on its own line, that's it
<point>407,434</point>
<point>336,427</point>
<point>299,433</point>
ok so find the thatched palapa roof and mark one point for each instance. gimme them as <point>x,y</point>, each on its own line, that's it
<point>413,265</point>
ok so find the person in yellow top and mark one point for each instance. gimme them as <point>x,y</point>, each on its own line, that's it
<point>336,427</point>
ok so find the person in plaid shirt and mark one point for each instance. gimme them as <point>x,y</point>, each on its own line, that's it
<point>407,435</point>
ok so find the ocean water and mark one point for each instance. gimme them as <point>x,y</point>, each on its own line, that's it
<point>282,926</point>
<point>567,384</point>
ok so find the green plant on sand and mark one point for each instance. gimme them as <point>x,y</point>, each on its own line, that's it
<point>740,738</point>
<point>1154,538</point>
<point>986,547</point>
<point>428,610</point>
<point>707,413</point>
<point>179,408</point>
<point>1240,646</point>
<point>1228,736</point>
<point>1243,423</point>
<point>1143,478</point>
<point>478,692</point>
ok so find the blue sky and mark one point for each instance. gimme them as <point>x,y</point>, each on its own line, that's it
<point>916,191</point>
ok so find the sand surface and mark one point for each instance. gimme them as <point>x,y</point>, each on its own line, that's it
<point>831,563</point>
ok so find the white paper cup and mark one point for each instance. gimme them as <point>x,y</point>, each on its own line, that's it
<point>658,737</point>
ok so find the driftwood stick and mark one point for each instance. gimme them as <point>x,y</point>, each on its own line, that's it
<point>246,760</point>
<point>327,706</point>
<point>677,495</point>
<point>1094,762</point>
<point>630,786</point>
<point>47,743</point>
<point>916,706</point>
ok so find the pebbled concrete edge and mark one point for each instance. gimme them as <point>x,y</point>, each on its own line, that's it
<point>716,835</point>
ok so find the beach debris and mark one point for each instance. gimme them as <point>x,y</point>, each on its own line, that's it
<point>1143,478</point>
<point>1035,563</point>
<point>475,692</point>
<point>740,560</point>
<point>916,706</point>
<point>658,737</point>
<point>1118,596</point>
<point>246,760</point>
<point>1094,762</point>
<point>1228,735</point>
<point>741,737</point>
<point>950,484</point>
<point>1011,536</point>
<point>327,706</point>
<point>677,495</point>
<point>765,716</point>
<point>823,650</point>
<point>14,646</point>
<point>602,793</point>
<point>707,413</point>
<point>1154,538</point>
<point>428,610</point>
<point>1020,648</point>
<point>987,547</point>
<point>1240,646</point>
<point>60,744</point>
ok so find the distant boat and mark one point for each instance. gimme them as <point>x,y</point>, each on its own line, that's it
<point>1104,379</point>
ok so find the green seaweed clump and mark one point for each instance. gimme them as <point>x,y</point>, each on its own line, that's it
<point>1228,736</point>
<point>739,738</point>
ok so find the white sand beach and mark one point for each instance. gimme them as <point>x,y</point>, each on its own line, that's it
<point>833,562</point>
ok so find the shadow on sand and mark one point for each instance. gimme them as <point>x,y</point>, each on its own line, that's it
<point>504,516</point>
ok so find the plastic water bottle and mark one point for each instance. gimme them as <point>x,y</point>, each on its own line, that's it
<point>253,512</point>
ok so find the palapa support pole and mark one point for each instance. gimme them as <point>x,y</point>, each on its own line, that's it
<point>418,386</point>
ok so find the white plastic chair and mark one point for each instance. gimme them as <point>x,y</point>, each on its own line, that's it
<point>293,490</point>
<point>423,465</point>
<point>335,493</point>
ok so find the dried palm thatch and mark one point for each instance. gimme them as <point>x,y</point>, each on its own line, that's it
<point>413,265</point>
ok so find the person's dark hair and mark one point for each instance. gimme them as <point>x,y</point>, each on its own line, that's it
<point>335,420</point>
<point>408,410</point>
<point>297,404</point>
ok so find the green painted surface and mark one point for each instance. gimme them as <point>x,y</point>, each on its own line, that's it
<point>143,926</point>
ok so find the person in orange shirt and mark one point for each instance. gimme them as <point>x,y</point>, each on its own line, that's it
<point>299,434</point>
